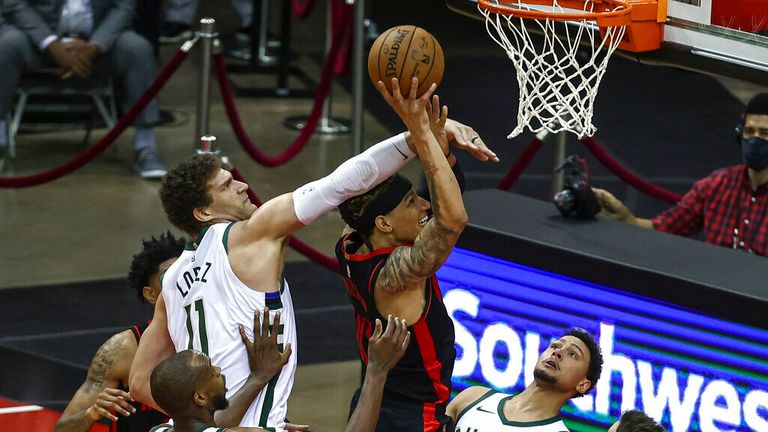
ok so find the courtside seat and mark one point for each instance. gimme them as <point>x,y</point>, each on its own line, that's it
<point>44,92</point>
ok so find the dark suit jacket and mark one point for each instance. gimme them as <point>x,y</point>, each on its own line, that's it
<point>39,18</point>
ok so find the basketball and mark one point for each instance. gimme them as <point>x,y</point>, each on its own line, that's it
<point>404,52</point>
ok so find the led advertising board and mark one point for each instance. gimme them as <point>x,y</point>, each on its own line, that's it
<point>688,370</point>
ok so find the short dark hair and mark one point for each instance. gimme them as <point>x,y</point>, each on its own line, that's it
<point>595,367</point>
<point>352,209</point>
<point>174,381</point>
<point>147,262</point>
<point>757,105</point>
<point>637,421</point>
<point>185,188</point>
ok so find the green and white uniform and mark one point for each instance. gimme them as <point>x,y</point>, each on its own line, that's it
<point>486,414</point>
<point>167,427</point>
<point>205,303</point>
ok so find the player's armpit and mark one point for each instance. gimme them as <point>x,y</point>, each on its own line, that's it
<point>109,367</point>
<point>407,267</point>
<point>155,346</point>
<point>462,400</point>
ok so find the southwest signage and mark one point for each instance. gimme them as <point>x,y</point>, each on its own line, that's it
<point>688,370</point>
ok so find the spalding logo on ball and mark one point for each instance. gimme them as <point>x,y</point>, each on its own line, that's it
<point>403,52</point>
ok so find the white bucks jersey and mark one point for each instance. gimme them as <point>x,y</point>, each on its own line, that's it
<point>487,415</point>
<point>205,303</point>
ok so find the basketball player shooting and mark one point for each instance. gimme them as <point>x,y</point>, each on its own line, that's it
<point>388,256</point>
<point>235,267</point>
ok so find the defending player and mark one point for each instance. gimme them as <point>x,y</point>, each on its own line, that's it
<point>568,368</point>
<point>191,389</point>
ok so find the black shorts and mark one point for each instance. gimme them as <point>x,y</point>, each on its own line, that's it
<point>408,416</point>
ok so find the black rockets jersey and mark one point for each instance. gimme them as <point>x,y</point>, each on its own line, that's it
<point>145,418</point>
<point>424,373</point>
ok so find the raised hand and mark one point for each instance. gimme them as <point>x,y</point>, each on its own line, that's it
<point>387,348</point>
<point>264,356</point>
<point>411,110</point>
<point>465,138</point>
<point>108,402</point>
<point>437,119</point>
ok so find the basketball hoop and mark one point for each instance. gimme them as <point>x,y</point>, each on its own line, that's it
<point>559,76</point>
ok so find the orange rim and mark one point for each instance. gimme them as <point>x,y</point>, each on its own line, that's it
<point>605,16</point>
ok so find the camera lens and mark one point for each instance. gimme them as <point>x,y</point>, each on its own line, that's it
<point>565,201</point>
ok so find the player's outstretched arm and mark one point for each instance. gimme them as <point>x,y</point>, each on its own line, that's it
<point>281,216</point>
<point>97,397</point>
<point>265,361</point>
<point>408,266</point>
<point>385,349</point>
<point>155,346</point>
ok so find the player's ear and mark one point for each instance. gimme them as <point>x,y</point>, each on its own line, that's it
<point>583,386</point>
<point>202,214</point>
<point>200,399</point>
<point>149,294</point>
<point>382,224</point>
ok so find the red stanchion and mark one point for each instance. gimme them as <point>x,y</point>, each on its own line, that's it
<point>302,10</point>
<point>101,145</point>
<point>313,254</point>
<point>338,9</point>
<point>627,176</point>
<point>520,164</point>
<point>317,109</point>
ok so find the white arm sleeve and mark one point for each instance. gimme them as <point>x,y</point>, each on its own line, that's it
<point>353,177</point>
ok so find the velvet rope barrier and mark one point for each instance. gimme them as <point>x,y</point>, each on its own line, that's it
<point>299,246</point>
<point>520,164</point>
<point>101,145</point>
<point>628,176</point>
<point>317,109</point>
<point>302,10</point>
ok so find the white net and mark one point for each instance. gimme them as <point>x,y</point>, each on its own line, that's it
<point>558,76</point>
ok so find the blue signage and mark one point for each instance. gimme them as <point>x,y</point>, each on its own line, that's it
<point>688,370</point>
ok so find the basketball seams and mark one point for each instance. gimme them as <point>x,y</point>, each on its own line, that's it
<point>405,59</point>
<point>378,63</point>
<point>405,65</point>
<point>432,64</point>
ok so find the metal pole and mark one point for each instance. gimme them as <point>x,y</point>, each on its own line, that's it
<point>207,33</point>
<point>327,124</point>
<point>358,60</point>
<point>559,177</point>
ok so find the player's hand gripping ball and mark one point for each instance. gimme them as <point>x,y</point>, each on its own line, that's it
<point>403,52</point>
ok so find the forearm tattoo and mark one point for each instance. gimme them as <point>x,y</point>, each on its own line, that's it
<point>407,266</point>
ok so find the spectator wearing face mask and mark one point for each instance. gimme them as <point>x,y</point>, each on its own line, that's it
<point>730,206</point>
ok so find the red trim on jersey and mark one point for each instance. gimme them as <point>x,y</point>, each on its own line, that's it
<point>138,331</point>
<point>429,357</point>
<point>370,280</point>
<point>352,291</point>
<point>369,255</point>
<point>436,289</point>
<point>360,320</point>
<point>428,417</point>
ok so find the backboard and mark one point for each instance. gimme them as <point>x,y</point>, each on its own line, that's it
<point>719,37</point>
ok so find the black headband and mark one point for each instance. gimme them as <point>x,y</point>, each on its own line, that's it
<point>384,203</point>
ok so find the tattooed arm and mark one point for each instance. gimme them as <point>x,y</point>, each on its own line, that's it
<point>406,267</point>
<point>98,397</point>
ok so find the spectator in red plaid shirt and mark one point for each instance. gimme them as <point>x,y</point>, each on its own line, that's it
<point>730,205</point>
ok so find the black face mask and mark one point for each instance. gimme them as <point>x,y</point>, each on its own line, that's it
<point>755,152</point>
